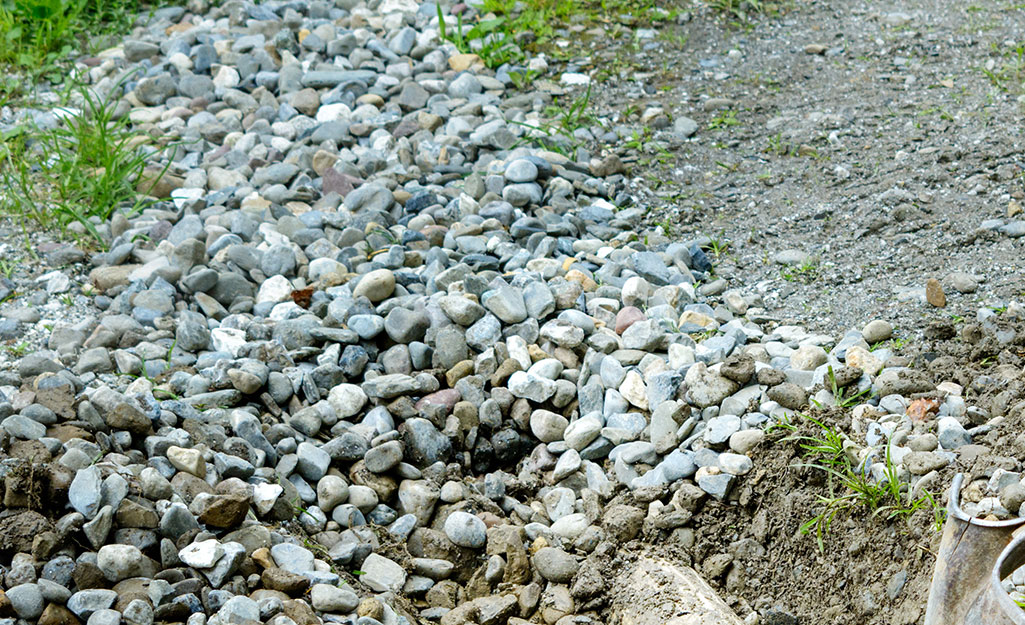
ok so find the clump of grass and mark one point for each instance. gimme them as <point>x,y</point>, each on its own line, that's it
<point>725,119</point>
<point>740,9</point>
<point>806,272</point>
<point>847,398</point>
<point>561,120</point>
<point>37,36</point>
<point>81,171</point>
<point>851,488</point>
<point>491,40</point>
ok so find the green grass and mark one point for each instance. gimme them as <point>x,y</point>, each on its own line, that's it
<point>780,147</point>
<point>895,344</point>
<point>1009,74</point>
<point>561,119</point>
<point>742,10</point>
<point>724,120</point>
<point>18,350</point>
<point>844,400</point>
<point>80,172</point>
<point>850,489</point>
<point>490,39</point>
<point>806,272</point>
<point>507,27</point>
<point>38,36</point>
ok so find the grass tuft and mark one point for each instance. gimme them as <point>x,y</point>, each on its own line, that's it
<point>851,488</point>
<point>37,37</point>
<point>80,171</point>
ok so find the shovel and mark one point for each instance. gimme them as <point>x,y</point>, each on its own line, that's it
<point>974,556</point>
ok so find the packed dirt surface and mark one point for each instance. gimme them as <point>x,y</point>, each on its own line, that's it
<point>875,143</point>
<point>873,138</point>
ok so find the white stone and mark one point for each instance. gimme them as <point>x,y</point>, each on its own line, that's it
<point>573,79</point>
<point>333,112</point>
<point>382,574</point>
<point>581,432</point>
<point>274,289</point>
<point>227,77</point>
<point>735,464</point>
<point>188,460</point>
<point>229,340</point>
<point>808,358</point>
<point>202,555</point>
<point>634,390</point>
<point>570,526</point>
<point>265,495</point>
<point>347,400</point>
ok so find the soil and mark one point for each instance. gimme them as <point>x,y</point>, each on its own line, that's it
<point>879,158</point>
<point>870,569</point>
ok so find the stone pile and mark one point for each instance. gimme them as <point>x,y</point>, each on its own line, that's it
<point>382,359</point>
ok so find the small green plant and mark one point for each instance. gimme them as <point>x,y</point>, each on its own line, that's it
<point>667,226</point>
<point>7,268</point>
<point>896,343</point>
<point>67,300</point>
<point>844,400</point>
<point>18,350</point>
<point>780,147</point>
<point>523,80</point>
<point>575,115</point>
<point>739,9</point>
<point>81,171</point>
<point>1009,75</point>
<point>851,488</point>
<point>718,246</point>
<point>37,37</point>
<point>782,424</point>
<point>725,119</point>
<point>558,132</point>
<point>806,272</point>
<point>36,31</point>
<point>491,39</point>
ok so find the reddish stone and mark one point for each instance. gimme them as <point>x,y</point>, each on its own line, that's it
<point>923,409</point>
<point>340,183</point>
<point>446,398</point>
<point>628,316</point>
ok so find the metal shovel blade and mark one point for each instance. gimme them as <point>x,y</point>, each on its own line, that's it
<point>967,563</point>
<point>994,606</point>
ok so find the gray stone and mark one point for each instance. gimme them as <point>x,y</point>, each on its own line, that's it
<point>707,387</point>
<point>382,574</point>
<point>506,303</point>
<point>328,598</point>
<point>951,433</point>
<point>384,457</point>
<point>120,562</point>
<point>555,565</point>
<point>465,530</point>
<point>22,427</point>
<point>84,602</point>
<point>521,170</point>
<point>292,558</point>
<point>27,600</point>
<point>464,86</point>
<point>313,461</point>
<point>84,493</point>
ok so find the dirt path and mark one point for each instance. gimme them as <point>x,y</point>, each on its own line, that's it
<point>873,142</point>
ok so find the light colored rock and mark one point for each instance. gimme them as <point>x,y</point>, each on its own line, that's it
<point>382,574</point>
<point>202,555</point>
<point>188,460</point>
